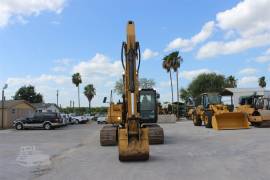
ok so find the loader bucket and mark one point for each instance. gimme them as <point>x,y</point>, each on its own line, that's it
<point>230,120</point>
<point>133,149</point>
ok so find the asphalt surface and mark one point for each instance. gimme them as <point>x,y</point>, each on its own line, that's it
<point>189,152</point>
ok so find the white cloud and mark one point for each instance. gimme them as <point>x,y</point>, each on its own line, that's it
<point>62,65</point>
<point>248,21</point>
<point>189,44</point>
<point>44,78</point>
<point>148,54</point>
<point>19,9</point>
<point>248,71</point>
<point>249,17</point>
<point>99,65</point>
<point>215,48</point>
<point>250,81</point>
<point>189,75</point>
<point>264,58</point>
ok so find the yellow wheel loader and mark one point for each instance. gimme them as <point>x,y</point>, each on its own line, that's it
<point>131,132</point>
<point>257,108</point>
<point>214,114</point>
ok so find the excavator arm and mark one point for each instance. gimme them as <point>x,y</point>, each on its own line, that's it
<point>133,140</point>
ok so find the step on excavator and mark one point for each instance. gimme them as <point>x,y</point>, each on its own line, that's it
<point>132,123</point>
<point>257,107</point>
<point>214,114</point>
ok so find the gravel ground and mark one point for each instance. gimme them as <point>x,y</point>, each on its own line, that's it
<point>189,152</point>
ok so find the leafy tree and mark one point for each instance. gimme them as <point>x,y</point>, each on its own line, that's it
<point>176,63</point>
<point>89,92</point>
<point>144,84</point>
<point>119,87</point>
<point>29,94</point>
<point>231,82</point>
<point>167,65</point>
<point>184,94</point>
<point>77,80</point>
<point>211,82</point>
<point>262,82</point>
<point>147,83</point>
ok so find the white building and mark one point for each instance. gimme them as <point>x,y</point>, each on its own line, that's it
<point>46,107</point>
<point>239,92</point>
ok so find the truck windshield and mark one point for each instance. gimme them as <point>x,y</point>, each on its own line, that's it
<point>147,104</point>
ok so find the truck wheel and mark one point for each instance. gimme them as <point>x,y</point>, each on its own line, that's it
<point>19,126</point>
<point>196,120</point>
<point>47,126</point>
<point>208,120</point>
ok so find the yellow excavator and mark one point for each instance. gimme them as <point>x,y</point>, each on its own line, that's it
<point>130,125</point>
<point>257,107</point>
<point>214,114</point>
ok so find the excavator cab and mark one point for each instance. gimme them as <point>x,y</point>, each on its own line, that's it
<point>148,105</point>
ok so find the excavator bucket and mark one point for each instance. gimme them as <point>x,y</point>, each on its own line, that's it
<point>230,120</point>
<point>133,149</point>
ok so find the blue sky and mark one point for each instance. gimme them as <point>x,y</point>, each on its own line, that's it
<point>43,42</point>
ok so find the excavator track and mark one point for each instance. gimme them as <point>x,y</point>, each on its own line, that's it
<point>108,135</point>
<point>156,134</point>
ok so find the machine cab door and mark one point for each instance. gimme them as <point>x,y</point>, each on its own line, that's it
<point>148,105</point>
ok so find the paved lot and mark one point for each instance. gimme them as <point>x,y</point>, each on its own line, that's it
<point>188,153</point>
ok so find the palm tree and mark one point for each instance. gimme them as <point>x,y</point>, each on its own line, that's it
<point>77,80</point>
<point>262,82</point>
<point>231,82</point>
<point>89,92</point>
<point>167,65</point>
<point>176,63</point>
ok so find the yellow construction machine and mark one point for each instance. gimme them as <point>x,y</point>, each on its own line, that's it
<point>257,108</point>
<point>214,114</point>
<point>132,123</point>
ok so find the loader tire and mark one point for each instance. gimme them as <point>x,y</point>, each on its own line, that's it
<point>208,120</point>
<point>197,120</point>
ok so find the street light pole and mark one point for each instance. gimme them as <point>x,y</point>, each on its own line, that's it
<point>3,103</point>
<point>2,122</point>
<point>57,94</point>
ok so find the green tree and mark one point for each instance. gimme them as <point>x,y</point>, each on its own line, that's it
<point>176,63</point>
<point>262,82</point>
<point>89,92</point>
<point>119,87</point>
<point>77,80</point>
<point>167,65</point>
<point>29,94</point>
<point>144,84</point>
<point>231,82</point>
<point>211,82</point>
<point>147,83</point>
<point>185,94</point>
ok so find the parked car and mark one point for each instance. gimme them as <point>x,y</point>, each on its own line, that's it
<point>46,121</point>
<point>89,116</point>
<point>65,119</point>
<point>101,119</point>
<point>79,119</point>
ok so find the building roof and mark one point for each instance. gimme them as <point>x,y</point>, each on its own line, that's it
<point>239,90</point>
<point>11,103</point>
<point>44,105</point>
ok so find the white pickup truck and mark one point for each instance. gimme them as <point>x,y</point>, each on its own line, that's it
<point>79,119</point>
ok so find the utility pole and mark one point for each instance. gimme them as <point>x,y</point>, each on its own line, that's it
<point>2,122</point>
<point>73,106</point>
<point>3,103</point>
<point>57,95</point>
